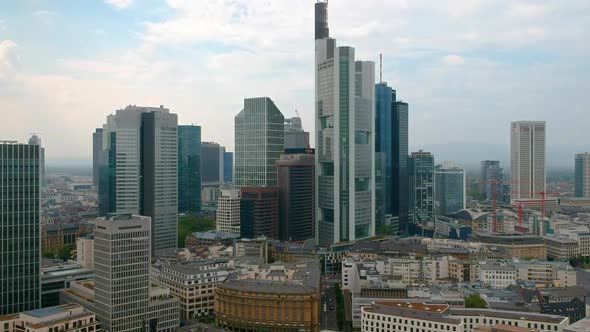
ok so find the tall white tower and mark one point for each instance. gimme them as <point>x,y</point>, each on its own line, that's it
<point>527,159</point>
<point>345,145</point>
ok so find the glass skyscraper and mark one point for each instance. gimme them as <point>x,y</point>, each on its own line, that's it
<point>260,141</point>
<point>491,176</point>
<point>20,244</point>
<point>141,172</point>
<point>422,188</point>
<point>345,145</point>
<point>449,189</point>
<point>228,167</point>
<point>582,175</point>
<point>391,147</point>
<point>189,168</point>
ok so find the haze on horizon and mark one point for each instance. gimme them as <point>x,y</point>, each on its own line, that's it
<point>467,68</point>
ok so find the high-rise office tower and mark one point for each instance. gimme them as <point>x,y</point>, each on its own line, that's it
<point>422,189</point>
<point>491,179</point>
<point>36,140</point>
<point>527,159</point>
<point>345,145</point>
<point>582,175</point>
<point>122,271</point>
<point>228,167</point>
<point>259,137</point>
<point>189,168</point>
<point>20,226</point>
<point>295,136</point>
<point>212,164</point>
<point>141,149</point>
<point>449,189</point>
<point>228,211</point>
<point>400,178</point>
<point>259,212</point>
<point>97,155</point>
<point>296,180</point>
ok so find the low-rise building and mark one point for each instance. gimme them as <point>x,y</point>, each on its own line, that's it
<point>518,245</point>
<point>473,318</point>
<point>406,316</point>
<point>498,276</point>
<point>85,251</point>
<point>209,238</point>
<point>67,317</point>
<point>271,297</point>
<point>57,275</point>
<point>561,247</point>
<point>193,284</point>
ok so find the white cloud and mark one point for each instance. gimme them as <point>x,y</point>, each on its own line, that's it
<point>120,4</point>
<point>453,60</point>
<point>46,16</point>
<point>8,58</point>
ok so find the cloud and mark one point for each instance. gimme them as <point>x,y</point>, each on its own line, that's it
<point>8,58</point>
<point>46,16</point>
<point>453,60</point>
<point>120,4</point>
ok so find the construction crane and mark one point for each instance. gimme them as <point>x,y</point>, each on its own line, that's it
<point>307,147</point>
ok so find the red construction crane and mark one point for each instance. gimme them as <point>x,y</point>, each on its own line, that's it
<point>307,147</point>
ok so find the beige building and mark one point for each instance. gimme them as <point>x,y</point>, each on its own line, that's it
<point>228,211</point>
<point>561,247</point>
<point>85,251</point>
<point>67,317</point>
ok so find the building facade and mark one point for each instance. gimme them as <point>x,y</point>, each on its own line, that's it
<point>228,167</point>
<point>295,136</point>
<point>527,159</point>
<point>449,189</point>
<point>96,156</point>
<point>122,271</point>
<point>67,317</point>
<point>212,164</point>
<point>259,212</point>
<point>228,211</point>
<point>20,241</point>
<point>36,140</point>
<point>260,141</point>
<point>422,188</point>
<point>296,180</point>
<point>491,178</point>
<point>142,178</point>
<point>345,142</point>
<point>582,175</point>
<point>194,285</point>
<point>189,168</point>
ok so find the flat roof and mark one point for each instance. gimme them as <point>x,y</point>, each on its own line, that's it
<point>507,315</point>
<point>423,311</point>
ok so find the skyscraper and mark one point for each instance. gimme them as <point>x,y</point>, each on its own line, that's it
<point>400,185</point>
<point>384,132</point>
<point>20,243</point>
<point>295,136</point>
<point>296,180</point>
<point>97,154</point>
<point>189,168</point>
<point>228,167</point>
<point>36,140</point>
<point>345,145</point>
<point>449,189</point>
<point>422,190</point>
<point>527,159</point>
<point>122,271</point>
<point>259,212</point>
<point>260,141</point>
<point>491,177</point>
<point>141,149</point>
<point>228,211</point>
<point>582,175</point>
<point>212,164</point>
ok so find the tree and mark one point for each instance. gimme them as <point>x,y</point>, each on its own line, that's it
<point>475,301</point>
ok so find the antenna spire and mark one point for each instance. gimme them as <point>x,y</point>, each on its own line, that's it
<point>380,67</point>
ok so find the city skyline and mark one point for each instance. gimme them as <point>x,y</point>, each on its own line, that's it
<point>151,49</point>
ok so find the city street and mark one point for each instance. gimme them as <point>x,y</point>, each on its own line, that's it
<point>327,315</point>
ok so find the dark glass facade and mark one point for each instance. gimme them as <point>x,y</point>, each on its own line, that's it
<point>20,244</point>
<point>391,147</point>
<point>259,212</point>
<point>189,168</point>
<point>228,167</point>
<point>422,189</point>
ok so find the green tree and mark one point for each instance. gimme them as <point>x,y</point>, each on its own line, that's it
<point>189,224</point>
<point>475,301</point>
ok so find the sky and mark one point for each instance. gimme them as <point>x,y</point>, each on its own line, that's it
<point>467,68</point>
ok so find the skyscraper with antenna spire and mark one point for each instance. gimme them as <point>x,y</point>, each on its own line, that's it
<point>345,142</point>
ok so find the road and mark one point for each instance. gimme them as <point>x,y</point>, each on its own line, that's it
<point>327,315</point>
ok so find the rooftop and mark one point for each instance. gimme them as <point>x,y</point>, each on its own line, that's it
<point>430,312</point>
<point>507,315</point>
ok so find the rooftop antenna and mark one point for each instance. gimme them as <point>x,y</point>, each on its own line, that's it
<point>380,67</point>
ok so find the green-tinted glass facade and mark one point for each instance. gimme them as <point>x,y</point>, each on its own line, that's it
<point>259,142</point>
<point>20,243</point>
<point>189,168</point>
